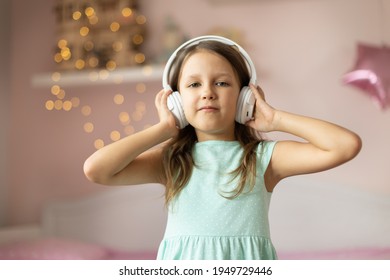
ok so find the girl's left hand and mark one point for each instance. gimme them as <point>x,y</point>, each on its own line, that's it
<point>264,115</point>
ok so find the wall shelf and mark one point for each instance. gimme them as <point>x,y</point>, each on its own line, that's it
<point>224,2</point>
<point>139,74</point>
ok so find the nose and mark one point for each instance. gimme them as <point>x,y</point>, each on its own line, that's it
<point>208,93</point>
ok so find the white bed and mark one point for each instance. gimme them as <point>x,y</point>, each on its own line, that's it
<point>315,220</point>
<point>118,223</point>
<point>308,221</point>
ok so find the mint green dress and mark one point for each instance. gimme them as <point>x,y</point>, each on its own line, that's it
<point>204,225</point>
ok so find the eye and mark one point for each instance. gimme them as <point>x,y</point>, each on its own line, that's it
<point>194,85</point>
<point>222,84</point>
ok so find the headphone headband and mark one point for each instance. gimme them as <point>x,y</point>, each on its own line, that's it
<point>197,40</point>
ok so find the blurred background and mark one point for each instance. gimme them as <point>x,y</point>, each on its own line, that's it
<point>65,91</point>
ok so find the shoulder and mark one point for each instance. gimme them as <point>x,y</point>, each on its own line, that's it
<point>266,146</point>
<point>265,151</point>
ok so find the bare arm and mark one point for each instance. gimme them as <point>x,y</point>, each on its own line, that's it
<point>326,145</point>
<point>131,160</point>
<point>128,161</point>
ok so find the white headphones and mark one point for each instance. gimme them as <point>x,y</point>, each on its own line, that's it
<point>245,102</point>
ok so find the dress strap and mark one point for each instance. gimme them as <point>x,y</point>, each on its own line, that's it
<point>264,154</point>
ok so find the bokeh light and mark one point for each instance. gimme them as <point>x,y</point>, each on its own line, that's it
<point>88,127</point>
<point>115,135</point>
<point>119,99</point>
<point>86,110</point>
<point>98,144</point>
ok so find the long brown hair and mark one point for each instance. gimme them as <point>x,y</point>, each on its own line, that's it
<point>177,156</point>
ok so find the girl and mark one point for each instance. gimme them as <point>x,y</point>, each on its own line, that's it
<point>219,174</point>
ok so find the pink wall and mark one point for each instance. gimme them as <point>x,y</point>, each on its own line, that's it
<point>5,36</point>
<point>301,49</point>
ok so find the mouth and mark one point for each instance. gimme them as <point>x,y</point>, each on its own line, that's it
<point>208,109</point>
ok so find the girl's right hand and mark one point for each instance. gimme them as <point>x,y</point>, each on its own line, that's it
<point>165,115</point>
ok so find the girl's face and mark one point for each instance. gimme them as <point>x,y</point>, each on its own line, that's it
<point>209,89</point>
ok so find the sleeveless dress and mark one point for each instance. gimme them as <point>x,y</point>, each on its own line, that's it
<point>204,225</point>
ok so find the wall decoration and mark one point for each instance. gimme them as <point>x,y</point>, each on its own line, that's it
<point>99,34</point>
<point>371,73</point>
<point>98,38</point>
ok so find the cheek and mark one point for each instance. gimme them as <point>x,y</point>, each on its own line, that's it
<point>231,102</point>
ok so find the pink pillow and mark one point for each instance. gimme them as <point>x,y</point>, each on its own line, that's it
<point>339,254</point>
<point>51,249</point>
<point>133,255</point>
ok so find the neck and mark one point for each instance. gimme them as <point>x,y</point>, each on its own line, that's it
<point>204,136</point>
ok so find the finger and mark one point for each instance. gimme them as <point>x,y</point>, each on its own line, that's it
<point>258,92</point>
<point>157,100</point>
<point>164,98</point>
<point>255,91</point>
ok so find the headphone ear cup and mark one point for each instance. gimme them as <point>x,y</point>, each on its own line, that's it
<point>175,106</point>
<point>245,105</point>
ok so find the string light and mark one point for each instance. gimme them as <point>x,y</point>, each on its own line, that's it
<point>111,65</point>
<point>119,99</point>
<point>74,52</point>
<point>67,105</point>
<point>96,38</point>
<point>138,39</point>
<point>56,76</point>
<point>58,104</point>
<point>115,26</point>
<point>80,64</point>
<point>98,144</point>
<point>93,20</point>
<point>49,105</point>
<point>86,110</point>
<point>115,135</point>
<point>89,11</point>
<point>127,12</point>
<point>124,118</point>
<point>88,127</point>
<point>75,102</point>
<point>55,90</point>
<point>76,15</point>
<point>139,58</point>
<point>61,94</point>
<point>84,31</point>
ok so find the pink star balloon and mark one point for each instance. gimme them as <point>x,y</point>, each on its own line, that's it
<point>371,73</point>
